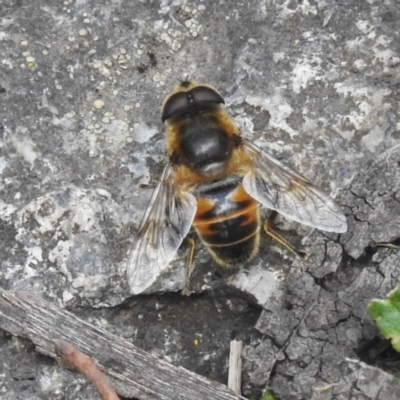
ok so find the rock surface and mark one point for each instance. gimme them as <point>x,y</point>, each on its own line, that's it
<point>82,146</point>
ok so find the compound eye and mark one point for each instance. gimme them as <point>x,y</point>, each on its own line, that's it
<point>192,102</point>
<point>176,103</point>
<point>204,94</point>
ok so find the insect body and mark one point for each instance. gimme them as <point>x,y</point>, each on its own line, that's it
<point>216,181</point>
<point>227,220</point>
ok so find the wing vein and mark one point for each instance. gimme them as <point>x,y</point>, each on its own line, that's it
<point>279,188</point>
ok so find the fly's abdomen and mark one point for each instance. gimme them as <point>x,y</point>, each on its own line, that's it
<point>227,221</point>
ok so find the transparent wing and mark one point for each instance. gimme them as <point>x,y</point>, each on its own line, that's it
<point>279,188</point>
<point>166,222</point>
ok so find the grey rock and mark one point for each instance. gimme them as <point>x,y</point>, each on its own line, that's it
<point>82,147</point>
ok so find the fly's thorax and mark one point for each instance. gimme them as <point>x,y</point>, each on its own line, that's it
<point>203,142</point>
<point>200,133</point>
<point>205,147</point>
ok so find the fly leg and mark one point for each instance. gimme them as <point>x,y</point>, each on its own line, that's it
<point>276,236</point>
<point>189,265</point>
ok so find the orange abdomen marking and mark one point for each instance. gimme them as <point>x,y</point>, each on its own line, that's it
<point>227,221</point>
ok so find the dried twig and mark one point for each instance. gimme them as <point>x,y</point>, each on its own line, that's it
<point>325,388</point>
<point>235,366</point>
<point>387,245</point>
<point>132,371</point>
<point>83,364</point>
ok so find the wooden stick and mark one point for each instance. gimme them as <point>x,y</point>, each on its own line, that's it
<point>235,366</point>
<point>132,371</point>
<point>83,364</point>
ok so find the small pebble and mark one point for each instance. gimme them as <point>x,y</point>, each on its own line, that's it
<point>98,104</point>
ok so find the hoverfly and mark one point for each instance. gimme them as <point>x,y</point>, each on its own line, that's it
<point>215,181</point>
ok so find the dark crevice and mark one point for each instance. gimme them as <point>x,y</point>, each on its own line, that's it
<point>323,282</point>
<point>254,338</point>
<point>358,219</point>
<point>360,262</point>
<point>362,198</point>
<point>343,320</point>
<point>380,273</point>
<point>288,305</point>
<point>347,271</point>
<point>192,326</point>
<point>30,378</point>
<point>128,398</point>
<point>379,352</point>
<point>367,255</point>
<point>273,369</point>
<point>276,342</point>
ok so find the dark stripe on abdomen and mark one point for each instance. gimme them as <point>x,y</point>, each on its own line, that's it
<point>231,229</point>
<point>227,221</point>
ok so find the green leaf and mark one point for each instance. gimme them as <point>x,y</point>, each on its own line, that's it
<point>269,396</point>
<point>387,316</point>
